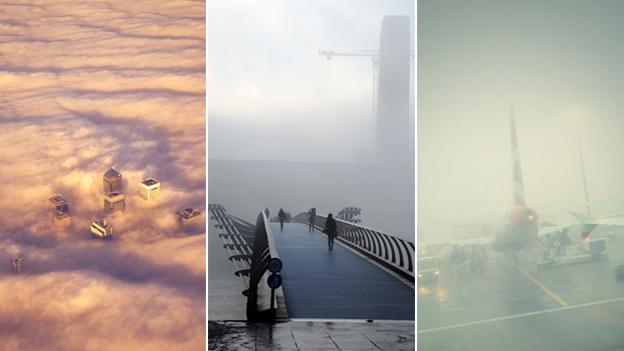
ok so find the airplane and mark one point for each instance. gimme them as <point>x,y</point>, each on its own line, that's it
<point>522,227</point>
<point>518,228</point>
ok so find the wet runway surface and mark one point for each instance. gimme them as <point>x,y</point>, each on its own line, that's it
<point>311,335</point>
<point>336,284</point>
<point>521,307</point>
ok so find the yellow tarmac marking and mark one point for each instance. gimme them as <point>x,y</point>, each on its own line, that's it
<point>548,292</point>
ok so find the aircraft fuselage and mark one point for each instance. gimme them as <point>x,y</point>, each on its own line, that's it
<point>519,231</point>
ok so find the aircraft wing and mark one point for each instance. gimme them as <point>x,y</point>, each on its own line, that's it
<point>611,220</point>
<point>617,220</point>
<point>553,229</point>
<point>588,223</point>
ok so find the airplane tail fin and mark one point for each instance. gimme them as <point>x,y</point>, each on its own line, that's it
<point>518,184</point>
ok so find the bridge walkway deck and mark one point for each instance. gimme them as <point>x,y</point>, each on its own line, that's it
<point>336,284</point>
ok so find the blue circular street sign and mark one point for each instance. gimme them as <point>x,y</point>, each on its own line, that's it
<point>275,265</point>
<point>274,281</point>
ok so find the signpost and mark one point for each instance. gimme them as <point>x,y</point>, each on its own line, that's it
<point>275,280</point>
<point>275,265</point>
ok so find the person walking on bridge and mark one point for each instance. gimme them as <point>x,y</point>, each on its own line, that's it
<point>312,218</point>
<point>282,217</point>
<point>331,229</point>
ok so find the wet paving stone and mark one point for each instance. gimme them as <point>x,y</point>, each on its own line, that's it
<point>311,336</point>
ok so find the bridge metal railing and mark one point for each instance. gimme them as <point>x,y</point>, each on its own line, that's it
<point>391,252</point>
<point>234,242</point>
<point>260,300</point>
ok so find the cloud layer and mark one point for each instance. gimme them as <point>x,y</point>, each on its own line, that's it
<point>83,87</point>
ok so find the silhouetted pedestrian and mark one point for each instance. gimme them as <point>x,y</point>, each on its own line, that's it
<point>312,219</point>
<point>267,213</point>
<point>331,229</point>
<point>282,217</point>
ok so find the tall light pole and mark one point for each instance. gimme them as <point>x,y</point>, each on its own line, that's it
<point>578,140</point>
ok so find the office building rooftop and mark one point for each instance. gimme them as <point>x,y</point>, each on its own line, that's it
<point>57,200</point>
<point>150,182</point>
<point>188,213</point>
<point>112,173</point>
<point>113,196</point>
<point>100,222</point>
<point>100,229</point>
<point>60,215</point>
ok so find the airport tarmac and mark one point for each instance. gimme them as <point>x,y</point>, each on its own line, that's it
<point>521,307</point>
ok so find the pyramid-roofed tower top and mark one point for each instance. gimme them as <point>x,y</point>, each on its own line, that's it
<point>112,173</point>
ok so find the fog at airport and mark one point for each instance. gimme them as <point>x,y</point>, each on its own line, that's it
<point>558,63</point>
<point>555,66</point>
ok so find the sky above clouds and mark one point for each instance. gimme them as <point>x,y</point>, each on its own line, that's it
<point>270,91</point>
<point>84,87</point>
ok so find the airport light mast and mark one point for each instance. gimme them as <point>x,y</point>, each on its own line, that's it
<point>578,140</point>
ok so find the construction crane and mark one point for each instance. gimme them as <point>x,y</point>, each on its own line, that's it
<point>374,55</point>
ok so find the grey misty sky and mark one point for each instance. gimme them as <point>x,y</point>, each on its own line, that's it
<point>272,97</point>
<point>555,62</point>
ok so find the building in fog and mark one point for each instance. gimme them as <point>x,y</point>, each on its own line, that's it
<point>112,181</point>
<point>150,188</point>
<point>61,219</point>
<point>114,201</point>
<point>60,212</point>
<point>57,202</point>
<point>16,264</point>
<point>101,230</point>
<point>187,215</point>
<point>393,109</point>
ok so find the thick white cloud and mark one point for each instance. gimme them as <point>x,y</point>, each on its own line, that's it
<point>86,311</point>
<point>83,87</point>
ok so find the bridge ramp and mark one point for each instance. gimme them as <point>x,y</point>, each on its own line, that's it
<point>336,284</point>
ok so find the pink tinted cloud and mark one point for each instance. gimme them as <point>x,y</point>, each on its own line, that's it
<point>83,87</point>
